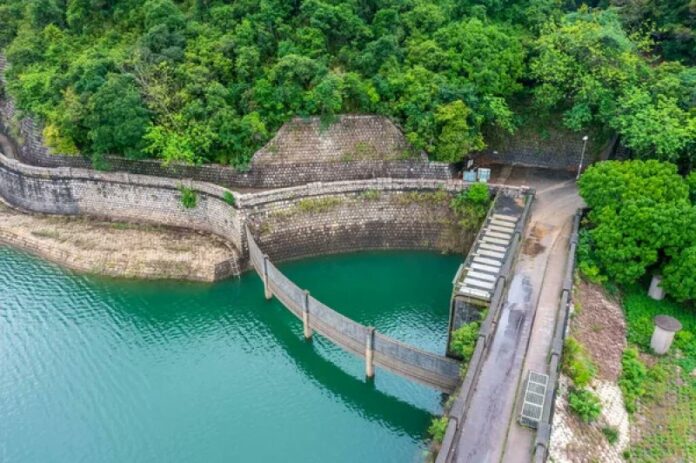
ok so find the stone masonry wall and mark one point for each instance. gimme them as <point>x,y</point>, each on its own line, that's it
<point>323,218</point>
<point>292,222</point>
<point>352,137</point>
<point>552,146</point>
<point>371,219</point>
<point>120,196</point>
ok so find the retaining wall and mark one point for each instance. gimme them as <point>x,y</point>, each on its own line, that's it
<point>344,216</point>
<point>121,196</point>
<point>355,223</point>
<point>33,152</point>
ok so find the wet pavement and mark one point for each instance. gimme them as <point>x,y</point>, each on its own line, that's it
<point>490,432</point>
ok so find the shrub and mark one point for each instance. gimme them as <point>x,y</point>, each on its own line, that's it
<point>464,340</point>
<point>585,404</point>
<point>633,374</point>
<point>437,428</point>
<point>587,262</point>
<point>370,195</point>
<point>577,363</point>
<point>611,433</point>
<point>471,205</point>
<point>188,197</point>
<point>229,198</point>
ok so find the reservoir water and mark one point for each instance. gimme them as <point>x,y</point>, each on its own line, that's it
<point>104,370</point>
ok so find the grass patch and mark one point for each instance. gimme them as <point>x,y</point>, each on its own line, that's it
<point>632,381</point>
<point>663,396</point>
<point>370,195</point>
<point>611,433</point>
<point>189,198</point>
<point>228,197</point>
<point>316,205</point>
<point>437,197</point>
<point>577,364</point>
<point>641,309</point>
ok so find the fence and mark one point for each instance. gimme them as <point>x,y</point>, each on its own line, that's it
<point>543,436</point>
<point>457,413</point>
<point>378,350</point>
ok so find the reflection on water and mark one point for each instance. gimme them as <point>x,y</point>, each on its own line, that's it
<point>95,369</point>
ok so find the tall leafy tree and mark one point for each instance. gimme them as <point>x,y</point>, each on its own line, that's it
<point>117,117</point>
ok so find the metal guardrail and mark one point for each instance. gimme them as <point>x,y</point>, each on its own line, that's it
<point>425,367</point>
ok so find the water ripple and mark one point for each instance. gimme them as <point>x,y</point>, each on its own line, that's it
<point>96,369</point>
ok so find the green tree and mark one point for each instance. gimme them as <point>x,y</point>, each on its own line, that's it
<point>641,217</point>
<point>614,183</point>
<point>217,78</point>
<point>458,134</point>
<point>655,126</point>
<point>679,275</point>
<point>117,118</point>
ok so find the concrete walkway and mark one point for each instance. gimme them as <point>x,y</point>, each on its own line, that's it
<point>490,432</point>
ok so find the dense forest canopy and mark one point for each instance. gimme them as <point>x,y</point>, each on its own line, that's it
<point>211,80</point>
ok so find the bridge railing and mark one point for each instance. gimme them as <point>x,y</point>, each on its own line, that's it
<point>543,436</point>
<point>457,413</point>
<point>378,349</point>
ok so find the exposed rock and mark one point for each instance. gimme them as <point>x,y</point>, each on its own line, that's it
<point>116,248</point>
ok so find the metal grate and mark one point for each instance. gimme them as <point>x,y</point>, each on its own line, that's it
<point>534,396</point>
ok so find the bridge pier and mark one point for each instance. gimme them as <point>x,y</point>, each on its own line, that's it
<point>305,316</point>
<point>266,288</point>
<point>370,352</point>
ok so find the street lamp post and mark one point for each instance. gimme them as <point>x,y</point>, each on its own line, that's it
<point>582,155</point>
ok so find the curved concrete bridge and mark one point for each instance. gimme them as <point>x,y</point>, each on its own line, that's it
<point>425,367</point>
<point>487,430</point>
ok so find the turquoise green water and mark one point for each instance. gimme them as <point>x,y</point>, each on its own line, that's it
<point>102,370</point>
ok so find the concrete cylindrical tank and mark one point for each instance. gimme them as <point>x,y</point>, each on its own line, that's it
<point>656,291</point>
<point>662,337</point>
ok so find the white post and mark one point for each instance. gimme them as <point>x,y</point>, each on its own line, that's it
<point>582,156</point>
<point>370,352</point>
<point>305,316</point>
<point>266,288</point>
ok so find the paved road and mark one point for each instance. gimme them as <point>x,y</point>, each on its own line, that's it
<point>490,432</point>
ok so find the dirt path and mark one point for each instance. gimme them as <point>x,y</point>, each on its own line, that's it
<point>115,248</point>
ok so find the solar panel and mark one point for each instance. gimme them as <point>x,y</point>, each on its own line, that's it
<point>534,396</point>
